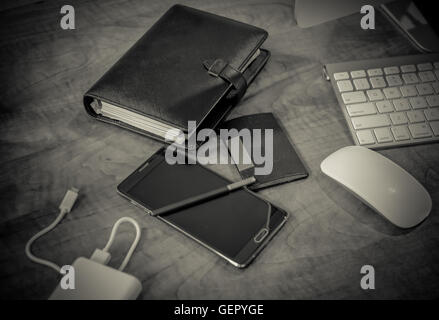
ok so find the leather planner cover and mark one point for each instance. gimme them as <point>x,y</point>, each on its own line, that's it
<point>287,165</point>
<point>190,65</point>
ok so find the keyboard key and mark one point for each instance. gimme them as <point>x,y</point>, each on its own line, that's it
<point>353,97</point>
<point>420,130</point>
<point>385,106</point>
<point>361,84</point>
<point>345,85</point>
<point>408,68</point>
<point>341,76</point>
<point>415,116</point>
<point>410,78</point>
<point>426,76</point>
<point>424,88</point>
<point>435,86</point>
<point>391,70</point>
<point>433,101</point>
<point>401,104</point>
<point>409,91</point>
<point>432,114</point>
<point>366,122</point>
<point>394,80</point>
<point>378,82</point>
<point>418,103</point>
<point>425,66</point>
<point>383,135</point>
<point>436,65</point>
<point>365,137</point>
<point>358,74</point>
<point>398,118</point>
<point>435,127</point>
<point>436,72</point>
<point>400,133</point>
<point>392,93</point>
<point>361,109</point>
<point>375,95</point>
<point>375,72</point>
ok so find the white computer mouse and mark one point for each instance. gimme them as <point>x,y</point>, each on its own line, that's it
<point>380,183</point>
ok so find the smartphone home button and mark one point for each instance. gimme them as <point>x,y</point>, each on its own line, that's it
<point>261,235</point>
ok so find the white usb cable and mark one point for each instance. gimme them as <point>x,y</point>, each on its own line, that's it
<point>100,256</point>
<point>64,208</point>
<point>103,256</point>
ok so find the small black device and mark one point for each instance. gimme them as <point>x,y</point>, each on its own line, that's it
<point>235,226</point>
<point>287,164</point>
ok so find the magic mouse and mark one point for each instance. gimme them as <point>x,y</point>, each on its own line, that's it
<point>380,183</point>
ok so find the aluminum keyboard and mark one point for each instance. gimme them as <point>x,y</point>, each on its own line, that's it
<point>389,102</point>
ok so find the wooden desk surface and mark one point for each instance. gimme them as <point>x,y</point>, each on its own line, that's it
<point>48,144</point>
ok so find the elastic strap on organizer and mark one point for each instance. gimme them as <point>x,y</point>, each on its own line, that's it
<point>220,68</point>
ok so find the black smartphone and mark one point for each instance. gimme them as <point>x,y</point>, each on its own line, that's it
<point>235,226</point>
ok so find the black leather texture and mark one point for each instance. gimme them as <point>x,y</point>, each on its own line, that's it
<point>163,77</point>
<point>287,164</point>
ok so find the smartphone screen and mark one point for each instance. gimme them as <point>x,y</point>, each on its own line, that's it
<point>227,224</point>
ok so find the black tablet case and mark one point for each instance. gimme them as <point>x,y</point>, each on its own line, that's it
<point>171,73</point>
<point>287,165</point>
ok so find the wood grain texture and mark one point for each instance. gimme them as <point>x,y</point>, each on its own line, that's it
<point>48,143</point>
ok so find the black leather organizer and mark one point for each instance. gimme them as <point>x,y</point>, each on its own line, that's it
<point>190,65</point>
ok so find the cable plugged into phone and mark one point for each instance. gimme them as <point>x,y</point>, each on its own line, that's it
<point>90,279</point>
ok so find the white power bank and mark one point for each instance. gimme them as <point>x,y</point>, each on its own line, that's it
<point>95,281</point>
